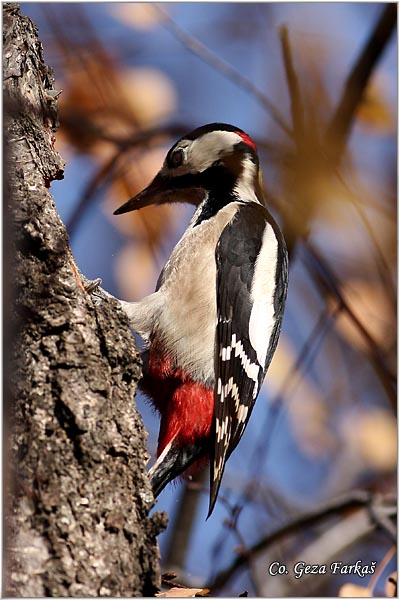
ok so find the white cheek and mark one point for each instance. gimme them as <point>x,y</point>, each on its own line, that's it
<point>207,149</point>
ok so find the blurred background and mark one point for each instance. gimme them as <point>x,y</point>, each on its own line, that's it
<point>315,85</point>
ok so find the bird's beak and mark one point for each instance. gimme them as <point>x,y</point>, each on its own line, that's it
<point>162,190</point>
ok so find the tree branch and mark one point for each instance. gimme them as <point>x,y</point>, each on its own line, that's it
<point>205,54</point>
<point>340,125</point>
<point>296,104</point>
<point>340,506</point>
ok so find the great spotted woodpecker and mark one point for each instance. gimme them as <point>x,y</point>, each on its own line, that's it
<point>213,323</point>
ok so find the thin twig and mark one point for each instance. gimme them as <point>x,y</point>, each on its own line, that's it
<point>339,127</point>
<point>340,124</point>
<point>107,169</point>
<point>329,545</point>
<point>355,499</point>
<point>304,360</point>
<point>183,526</point>
<point>296,104</point>
<point>209,57</point>
<point>324,276</point>
<point>381,261</point>
<point>381,567</point>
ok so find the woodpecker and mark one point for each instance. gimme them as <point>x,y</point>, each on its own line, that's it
<point>212,325</point>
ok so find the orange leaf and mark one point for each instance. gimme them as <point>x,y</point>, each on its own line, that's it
<point>178,592</point>
<point>391,585</point>
<point>350,590</point>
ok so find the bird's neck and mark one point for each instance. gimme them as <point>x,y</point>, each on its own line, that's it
<point>227,189</point>
<point>211,205</point>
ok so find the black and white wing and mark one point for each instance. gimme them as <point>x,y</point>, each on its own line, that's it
<point>252,272</point>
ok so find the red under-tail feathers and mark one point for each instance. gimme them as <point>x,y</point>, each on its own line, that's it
<point>186,406</point>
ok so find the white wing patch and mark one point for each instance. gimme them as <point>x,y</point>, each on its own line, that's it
<point>218,464</point>
<point>242,413</point>
<point>221,428</point>
<point>251,369</point>
<point>221,432</point>
<point>262,294</point>
<point>231,388</point>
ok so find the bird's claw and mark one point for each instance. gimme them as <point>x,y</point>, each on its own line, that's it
<point>92,285</point>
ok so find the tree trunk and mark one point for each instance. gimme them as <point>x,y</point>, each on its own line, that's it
<point>76,491</point>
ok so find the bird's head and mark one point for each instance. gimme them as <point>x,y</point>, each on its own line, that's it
<point>214,161</point>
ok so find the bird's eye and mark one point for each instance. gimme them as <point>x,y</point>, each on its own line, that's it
<point>176,159</point>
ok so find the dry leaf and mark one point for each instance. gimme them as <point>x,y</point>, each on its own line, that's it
<point>391,585</point>
<point>136,271</point>
<point>374,434</point>
<point>307,411</point>
<point>140,15</point>
<point>375,111</point>
<point>350,590</point>
<point>181,592</point>
<point>369,302</point>
<point>150,92</point>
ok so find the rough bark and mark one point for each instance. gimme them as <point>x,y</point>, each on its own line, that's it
<point>77,495</point>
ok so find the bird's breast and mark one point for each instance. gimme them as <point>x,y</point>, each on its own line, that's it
<point>186,322</point>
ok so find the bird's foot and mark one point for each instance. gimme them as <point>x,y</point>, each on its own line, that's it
<point>92,285</point>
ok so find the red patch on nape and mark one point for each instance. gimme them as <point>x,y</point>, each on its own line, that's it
<point>247,140</point>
